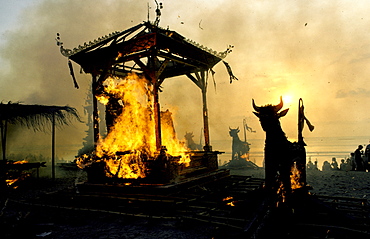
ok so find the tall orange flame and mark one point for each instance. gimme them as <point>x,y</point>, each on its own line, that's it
<point>295,177</point>
<point>133,132</point>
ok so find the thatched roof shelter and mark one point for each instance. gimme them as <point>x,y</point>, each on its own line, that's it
<point>35,117</point>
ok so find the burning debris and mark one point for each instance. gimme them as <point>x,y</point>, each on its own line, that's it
<point>17,171</point>
<point>35,117</point>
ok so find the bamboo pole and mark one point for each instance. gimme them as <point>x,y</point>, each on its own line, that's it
<point>53,147</point>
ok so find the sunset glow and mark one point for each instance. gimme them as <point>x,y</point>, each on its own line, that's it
<point>287,99</point>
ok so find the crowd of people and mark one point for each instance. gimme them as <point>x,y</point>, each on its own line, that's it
<point>358,161</point>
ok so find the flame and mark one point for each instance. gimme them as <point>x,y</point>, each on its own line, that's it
<point>102,99</point>
<point>227,198</point>
<point>11,181</point>
<point>84,161</point>
<point>230,203</point>
<point>17,178</point>
<point>20,162</point>
<point>131,141</point>
<point>245,156</point>
<point>295,177</point>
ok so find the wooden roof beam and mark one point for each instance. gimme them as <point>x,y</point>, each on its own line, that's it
<point>193,79</point>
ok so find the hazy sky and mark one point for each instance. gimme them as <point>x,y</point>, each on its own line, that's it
<point>315,50</point>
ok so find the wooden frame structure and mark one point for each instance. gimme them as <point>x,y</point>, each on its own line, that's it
<point>148,50</point>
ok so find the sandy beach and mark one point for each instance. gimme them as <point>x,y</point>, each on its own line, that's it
<point>337,183</point>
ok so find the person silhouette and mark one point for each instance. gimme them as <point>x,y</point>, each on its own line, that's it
<point>334,164</point>
<point>358,159</point>
<point>367,157</point>
<point>310,165</point>
<point>352,162</point>
<point>326,166</point>
<point>343,165</point>
<point>315,165</point>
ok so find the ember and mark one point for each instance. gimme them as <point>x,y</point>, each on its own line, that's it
<point>11,181</point>
<point>20,162</point>
<point>17,171</point>
<point>229,201</point>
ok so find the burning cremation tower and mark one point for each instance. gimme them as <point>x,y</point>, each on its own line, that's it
<point>150,50</point>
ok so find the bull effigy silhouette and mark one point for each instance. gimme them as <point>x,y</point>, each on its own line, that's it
<point>281,155</point>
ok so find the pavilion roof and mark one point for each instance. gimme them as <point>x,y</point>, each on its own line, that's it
<point>121,50</point>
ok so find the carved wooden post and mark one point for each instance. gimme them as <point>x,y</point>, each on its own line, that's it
<point>207,146</point>
<point>95,110</point>
<point>157,116</point>
<point>153,76</point>
<point>201,81</point>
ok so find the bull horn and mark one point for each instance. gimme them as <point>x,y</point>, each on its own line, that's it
<point>255,107</point>
<point>280,105</point>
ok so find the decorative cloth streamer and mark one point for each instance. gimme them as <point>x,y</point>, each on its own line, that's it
<point>72,74</point>
<point>232,77</point>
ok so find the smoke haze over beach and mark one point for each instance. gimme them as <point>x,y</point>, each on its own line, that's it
<point>314,50</point>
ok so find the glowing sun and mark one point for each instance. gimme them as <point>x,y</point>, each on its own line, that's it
<point>287,99</point>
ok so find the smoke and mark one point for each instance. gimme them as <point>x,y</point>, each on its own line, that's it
<point>36,73</point>
<point>359,92</point>
<point>317,51</point>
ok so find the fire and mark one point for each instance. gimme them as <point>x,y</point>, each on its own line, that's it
<point>102,99</point>
<point>229,201</point>
<point>295,183</point>
<point>245,156</point>
<point>227,198</point>
<point>131,141</point>
<point>134,128</point>
<point>295,177</point>
<point>11,181</point>
<point>20,162</point>
<point>83,161</point>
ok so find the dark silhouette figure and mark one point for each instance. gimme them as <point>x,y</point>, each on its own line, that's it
<point>358,159</point>
<point>280,153</point>
<point>310,165</point>
<point>334,164</point>
<point>352,162</point>
<point>240,149</point>
<point>367,157</point>
<point>326,166</point>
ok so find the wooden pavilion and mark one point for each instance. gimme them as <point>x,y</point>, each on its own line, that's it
<point>149,50</point>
